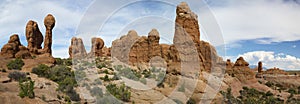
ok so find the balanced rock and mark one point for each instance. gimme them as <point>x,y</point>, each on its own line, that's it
<point>34,37</point>
<point>14,49</point>
<point>77,48</point>
<point>97,45</point>
<point>49,23</point>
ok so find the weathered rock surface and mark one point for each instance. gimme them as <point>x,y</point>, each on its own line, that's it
<point>260,67</point>
<point>34,37</point>
<point>49,23</point>
<point>241,62</point>
<point>275,71</point>
<point>132,48</point>
<point>77,48</point>
<point>14,49</point>
<point>97,45</point>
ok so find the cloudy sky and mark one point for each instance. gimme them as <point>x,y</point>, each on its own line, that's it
<point>258,30</point>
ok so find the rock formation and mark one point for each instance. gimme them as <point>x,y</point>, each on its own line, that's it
<point>77,48</point>
<point>187,34</point>
<point>97,45</point>
<point>275,71</point>
<point>153,40</point>
<point>49,23</point>
<point>229,64</point>
<point>260,67</point>
<point>34,37</point>
<point>14,49</point>
<point>241,62</point>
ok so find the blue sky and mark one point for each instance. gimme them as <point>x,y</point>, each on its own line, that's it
<point>258,30</point>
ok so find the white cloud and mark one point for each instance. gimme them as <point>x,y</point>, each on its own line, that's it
<point>271,59</point>
<point>274,20</point>
<point>294,46</point>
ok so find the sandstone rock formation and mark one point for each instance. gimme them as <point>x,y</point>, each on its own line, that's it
<point>77,48</point>
<point>97,45</point>
<point>275,71</point>
<point>187,34</point>
<point>49,23</point>
<point>14,49</point>
<point>229,64</point>
<point>241,62</point>
<point>242,71</point>
<point>260,67</point>
<point>34,37</point>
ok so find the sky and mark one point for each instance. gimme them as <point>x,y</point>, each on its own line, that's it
<point>258,30</point>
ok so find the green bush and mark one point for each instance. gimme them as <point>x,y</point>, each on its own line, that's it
<point>17,76</point>
<point>292,91</point>
<point>62,75</point>
<point>26,89</point>
<point>16,64</point>
<point>41,70</point>
<point>251,96</point>
<point>269,84</point>
<point>121,92</point>
<point>191,101</point>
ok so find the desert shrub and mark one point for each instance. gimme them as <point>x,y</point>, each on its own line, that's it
<point>191,101</point>
<point>292,91</point>
<point>26,89</point>
<point>105,78</point>
<point>62,75</point>
<point>79,75</point>
<point>73,95</point>
<point>68,62</point>
<point>41,70</point>
<point>116,77</point>
<point>121,92</point>
<point>105,71</point>
<point>100,65</point>
<point>17,76</point>
<point>59,61</point>
<point>96,91</point>
<point>16,64</point>
<point>269,84</point>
